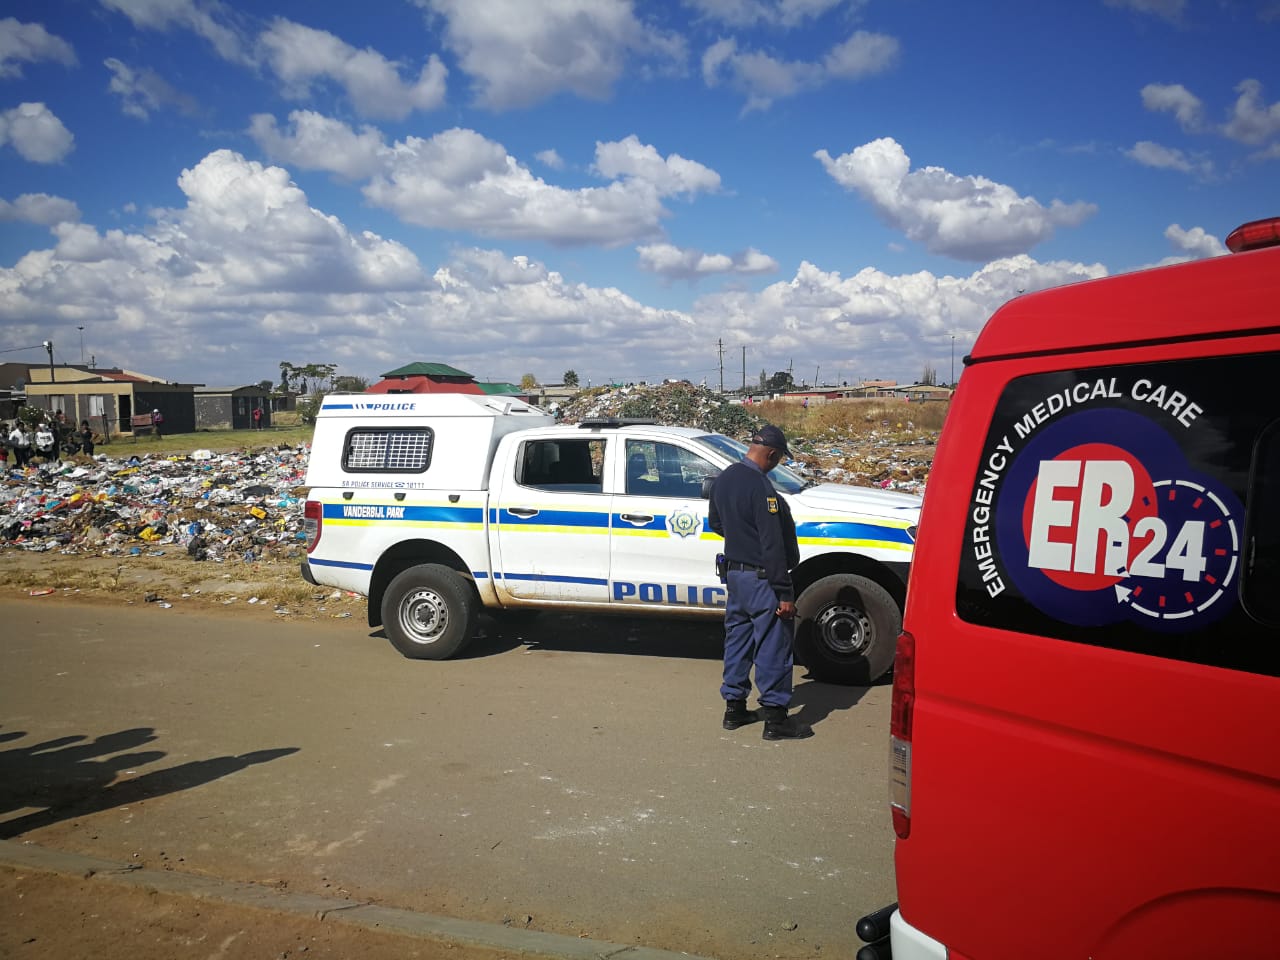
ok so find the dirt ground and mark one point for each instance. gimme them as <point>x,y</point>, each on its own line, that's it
<point>268,587</point>
<point>46,915</point>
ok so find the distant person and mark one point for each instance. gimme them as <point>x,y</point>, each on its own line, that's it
<point>157,423</point>
<point>20,441</point>
<point>760,550</point>
<point>85,436</point>
<point>257,418</point>
<point>46,442</point>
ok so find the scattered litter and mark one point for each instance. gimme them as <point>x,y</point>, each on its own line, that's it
<point>42,592</point>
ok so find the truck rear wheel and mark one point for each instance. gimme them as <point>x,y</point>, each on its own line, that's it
<point>428,612</point>
<point>847,629</point>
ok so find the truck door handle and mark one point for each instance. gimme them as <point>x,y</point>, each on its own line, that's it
<point>522,512</point>
<point>637,518</point>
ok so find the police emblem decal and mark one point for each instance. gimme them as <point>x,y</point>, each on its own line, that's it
<point>684,523</point>
<point>772,504</point>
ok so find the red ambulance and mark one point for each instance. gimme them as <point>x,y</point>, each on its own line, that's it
<point>1086,709</point>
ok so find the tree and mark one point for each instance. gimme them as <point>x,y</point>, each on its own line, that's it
<point>570,379</point>
<point>528,382</point>
<point>780,381</point>
<point>930,376</point>
<point>350,384</point>
<point>293,375</point>
<point>265,385</point>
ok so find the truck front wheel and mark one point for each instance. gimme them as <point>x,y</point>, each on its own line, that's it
<point>847,629</point>
<point>428,612</point>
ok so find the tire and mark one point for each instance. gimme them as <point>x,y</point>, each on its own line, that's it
<point>847,629</point>
<point>429,612</point>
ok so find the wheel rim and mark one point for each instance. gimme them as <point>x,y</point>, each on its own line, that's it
<point>844,630</point>
<point>424,616</point>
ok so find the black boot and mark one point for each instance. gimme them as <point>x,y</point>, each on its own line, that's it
<point>779,726</point>
<point>737,715</point>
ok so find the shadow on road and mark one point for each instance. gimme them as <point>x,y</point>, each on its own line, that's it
<point>75,776</point>
<point>813,701</point>
<point>595,633</point>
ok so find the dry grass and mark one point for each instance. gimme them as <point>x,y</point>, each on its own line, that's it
<point>856,418</point>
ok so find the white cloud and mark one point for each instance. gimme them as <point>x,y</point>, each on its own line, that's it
<point>144,91</point>
<point>517,56</point>
<point>550,158</point>
<point>1195,243</point>
<point>461,180</point>
<point>316,142</point>
<point>208,19</point>
<point>36,133</point>
<point>1171,10</point>
<point>247,270</point>
<point>873,324</point>
<point>748,13</point>
<point>629,158</point>
<point>1252,121</point>
<point>763,78</point>
<point>686,263</point>
<point>30,43</point>
<point>1176,99</point>
<point>970,217</point>
<point>1168,158</point>
<point>39,208</point>
<point>301,55</point>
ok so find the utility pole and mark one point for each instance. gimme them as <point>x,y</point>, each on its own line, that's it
<point>48,345</point>
<point>744,368</point>
<point>815,376</point>
<point>720,352</point>
<point>953,361</point>
<point>81,329</point>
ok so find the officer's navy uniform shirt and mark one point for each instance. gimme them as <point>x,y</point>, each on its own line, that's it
<point>756,524</point>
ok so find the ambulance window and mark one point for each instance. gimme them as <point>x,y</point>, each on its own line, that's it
<point>565,466</point>
<point>1262,540</point>
<point>387,450</point>
<point>1135,507</point>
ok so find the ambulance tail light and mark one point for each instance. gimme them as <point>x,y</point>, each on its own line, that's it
<point>1255,235</point>
<point>312,522</point>
<point>900,717</point>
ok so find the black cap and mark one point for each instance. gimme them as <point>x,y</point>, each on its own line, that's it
<point>771,436</point>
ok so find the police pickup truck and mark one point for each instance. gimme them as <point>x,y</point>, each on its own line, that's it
<point>434,506</point>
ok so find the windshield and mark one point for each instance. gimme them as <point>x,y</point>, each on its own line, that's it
<point>782,478</point>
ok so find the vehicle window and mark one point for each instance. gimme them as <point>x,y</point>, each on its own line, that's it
<point>1262,538</point>
<point>387,450</point>
<point>781,477</point>
<point>565,465</point>
<point>1109,508</point>
<point>656,469</point>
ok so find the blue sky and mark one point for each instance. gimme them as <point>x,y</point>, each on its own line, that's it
<point>846,189</point>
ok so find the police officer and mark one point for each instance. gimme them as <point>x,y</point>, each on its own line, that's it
<point>760,549</point>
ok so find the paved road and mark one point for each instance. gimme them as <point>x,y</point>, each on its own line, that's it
<point>573,777</point>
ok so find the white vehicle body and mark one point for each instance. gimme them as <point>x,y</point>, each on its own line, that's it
<point>607,517</point>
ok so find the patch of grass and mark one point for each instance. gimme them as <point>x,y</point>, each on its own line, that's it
<point>219,441</point>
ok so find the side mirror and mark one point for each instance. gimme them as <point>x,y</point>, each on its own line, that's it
<point>707,484</point>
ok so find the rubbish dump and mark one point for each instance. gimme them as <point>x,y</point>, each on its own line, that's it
<point>218,507</point>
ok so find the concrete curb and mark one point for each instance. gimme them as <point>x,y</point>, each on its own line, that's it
<point>328,909</point>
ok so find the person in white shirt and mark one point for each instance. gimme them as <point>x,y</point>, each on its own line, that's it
<point>46,442</point>
<point>20,441</point>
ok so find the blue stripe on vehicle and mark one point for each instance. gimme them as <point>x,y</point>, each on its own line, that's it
<point>848,530</point>
<point>347,564</point>
<point>546,578</point>
<point>398,512</point>
<point>557,518</point>
<point>338,406</point>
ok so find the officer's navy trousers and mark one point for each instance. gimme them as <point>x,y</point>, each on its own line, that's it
<point>753,633</point>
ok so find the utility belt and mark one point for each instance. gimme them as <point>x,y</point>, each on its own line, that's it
<point>724,565</point>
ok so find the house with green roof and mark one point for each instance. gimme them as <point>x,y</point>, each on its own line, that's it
<point>440,378</point>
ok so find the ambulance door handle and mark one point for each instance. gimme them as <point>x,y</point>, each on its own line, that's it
<point>637,518</point>
<point>522,512</point>
<point>400,495</point>
<point>348,494</point>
